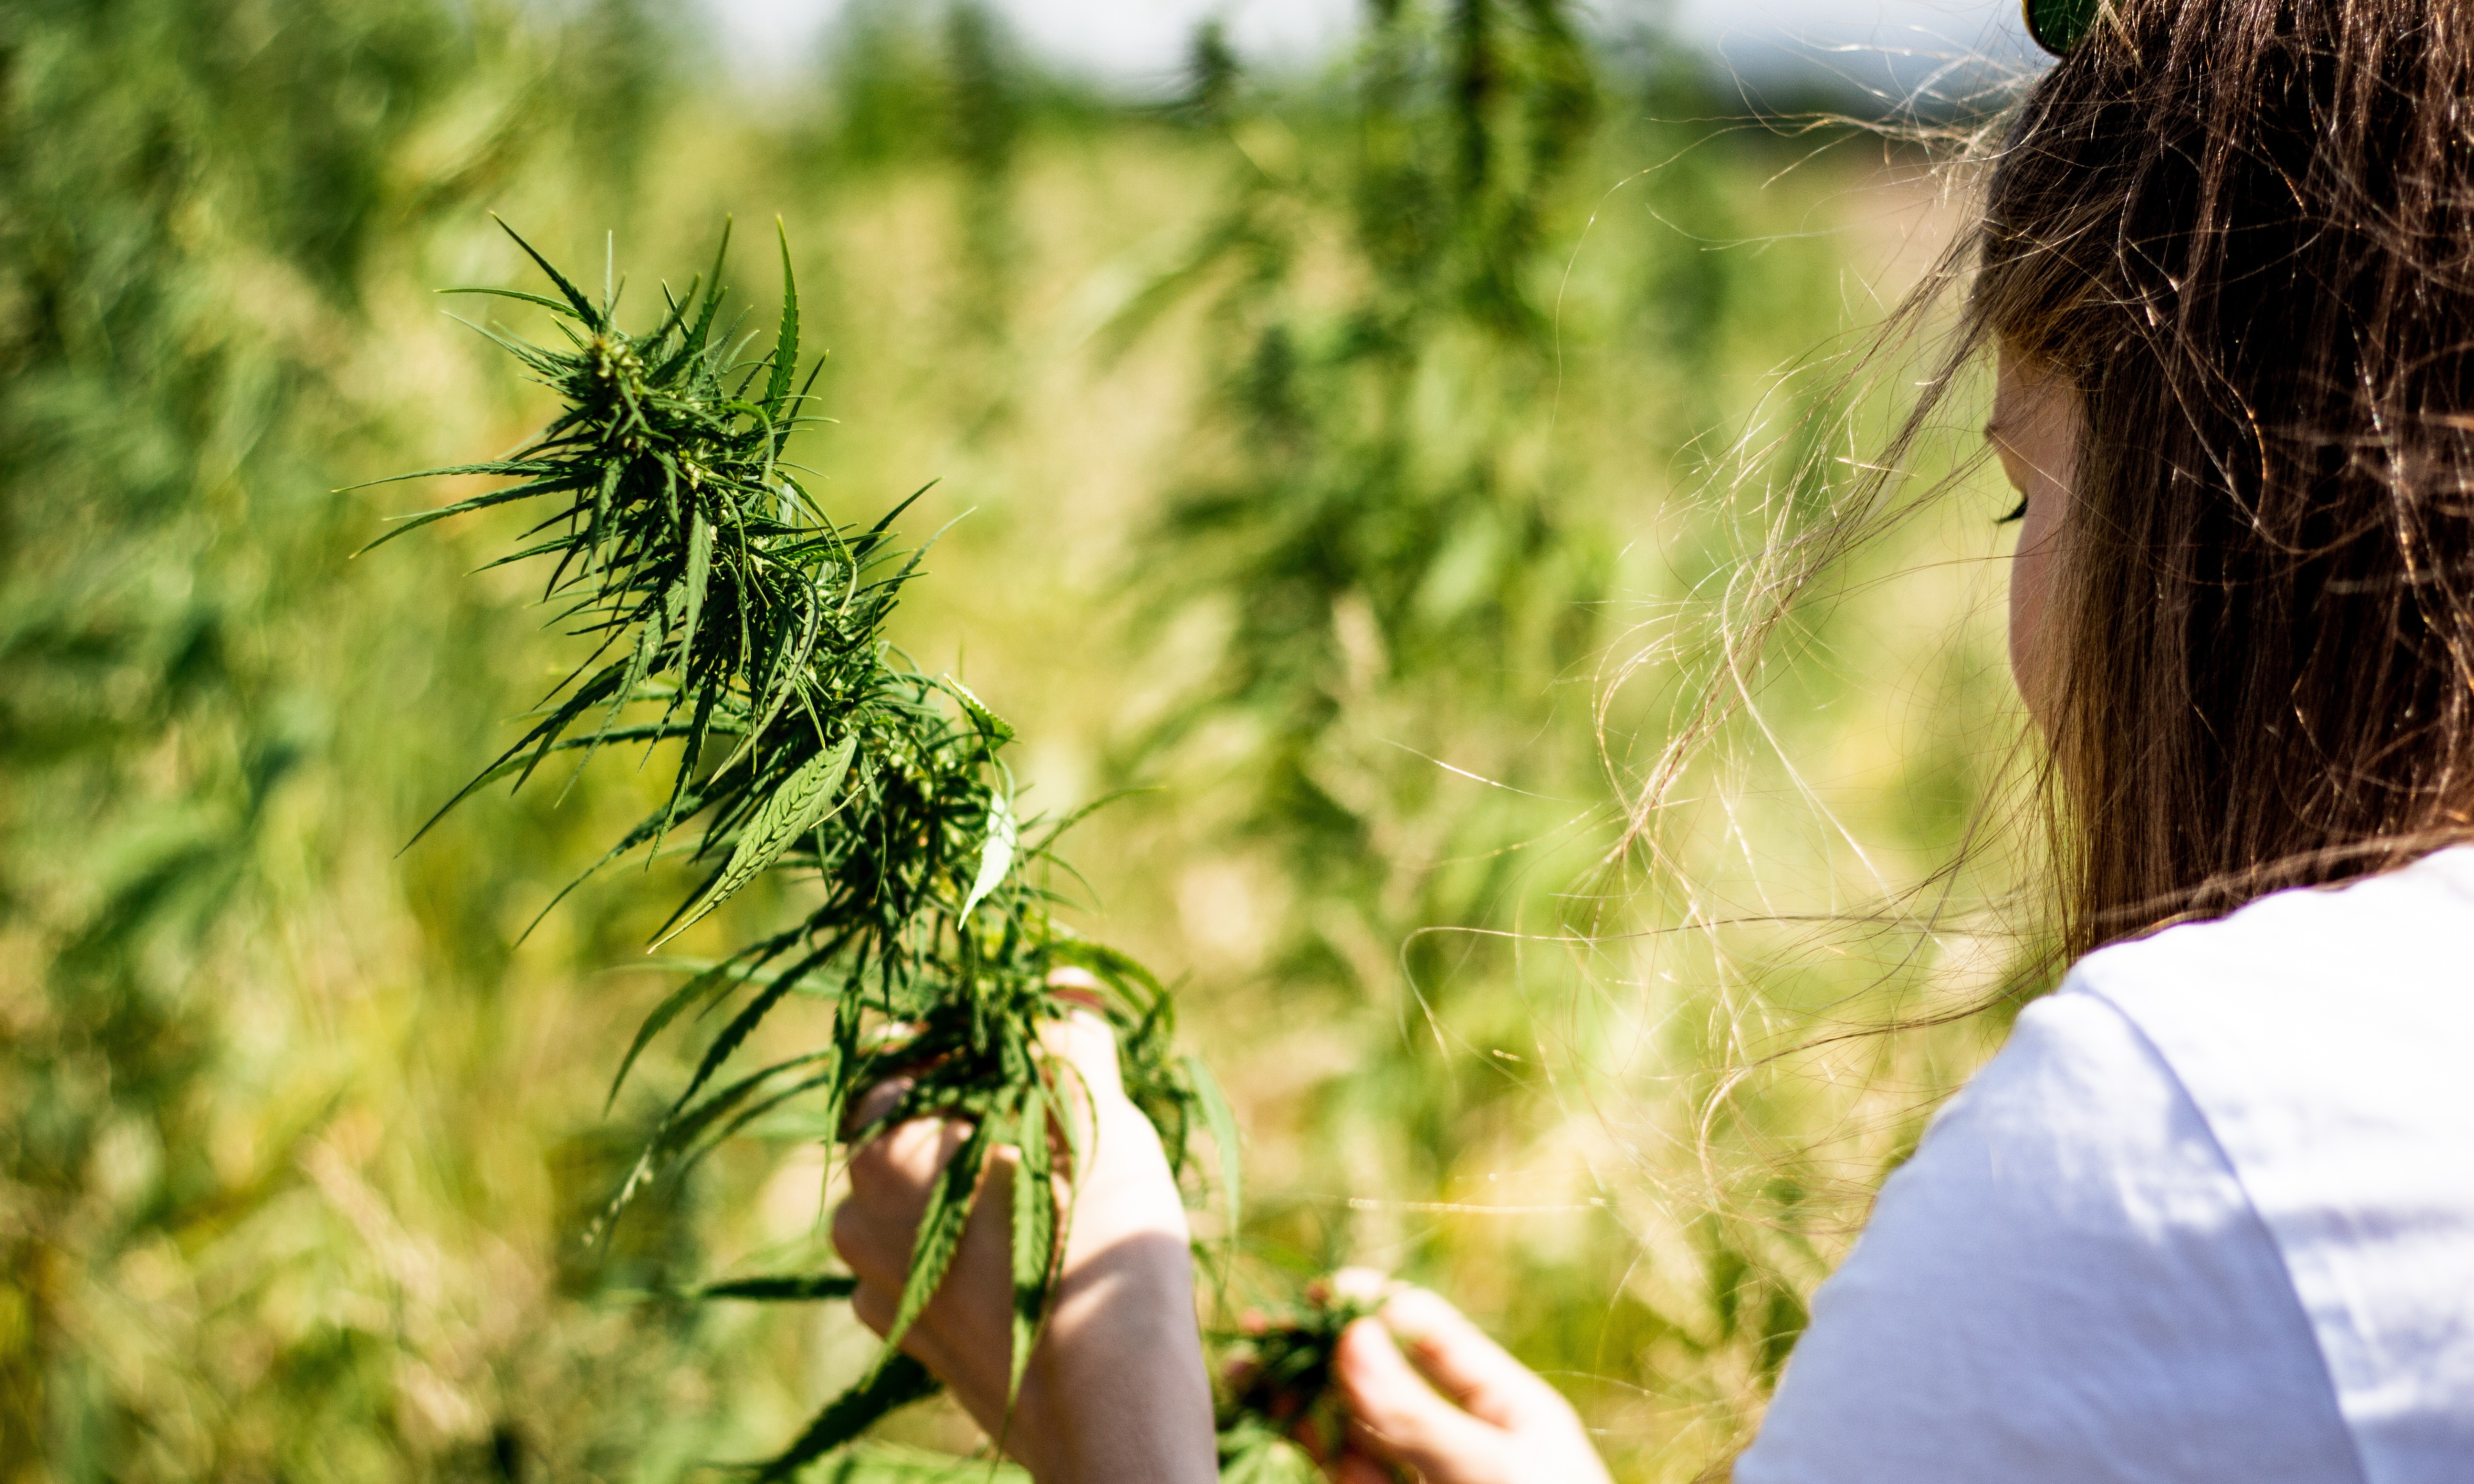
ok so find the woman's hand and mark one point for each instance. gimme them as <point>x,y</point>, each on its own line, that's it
<point>1492,1421</point>
<point>1116,1392</point>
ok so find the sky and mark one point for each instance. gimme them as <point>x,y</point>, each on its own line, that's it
<point>1141,44</point>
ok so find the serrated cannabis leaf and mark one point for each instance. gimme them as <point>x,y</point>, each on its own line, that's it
<point>940,1230</point>
<point>998,730</point>
<point>794,1289</point>
<point>896,1383</point>
<point>1034,1234</point>
<point>804,801</point>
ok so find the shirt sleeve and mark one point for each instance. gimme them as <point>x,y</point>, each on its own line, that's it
<point>2066,1281</point>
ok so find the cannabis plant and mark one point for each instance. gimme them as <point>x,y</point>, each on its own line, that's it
<point>1372,517</point>
<point>1277,1387</point>
<point>1384,538</point>
<point>738,628</point>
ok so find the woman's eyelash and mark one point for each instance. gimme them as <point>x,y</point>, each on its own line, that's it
<point>2019,513</point>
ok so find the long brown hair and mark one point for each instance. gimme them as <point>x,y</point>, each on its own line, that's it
<point>2244,231</point>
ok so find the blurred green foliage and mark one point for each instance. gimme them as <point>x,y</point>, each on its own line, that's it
<point>1382,590</point>
<point>1372,512</point>
<point>1330,439</point>
<point>201,203</point>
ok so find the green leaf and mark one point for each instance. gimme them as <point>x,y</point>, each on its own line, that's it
<point>602,494</point>
<point>640,665</point>
<point>803,802</point>
<point>686,1124</point>
<point>794,678</point>
<point>818,1123</point>
<point>1250,1453</point>
<point>699,727</point>
<point>510,293</point>
<point>785,341</point>
<point>699,571</point>
<point>1034,1234</point>
<point>740,1027</point>
<point>1117,968</point>
<point>1221,1120</point>
<point>414,523</point>
<point>712,982</point>
<point>584,309</point>
<point>792,1288</point>
<point>996,853</point>
<point>995,728</point>
<point>897,1382</point>
<point>712,305</point>
<point>940,1231</point>
<point>887,1463</point>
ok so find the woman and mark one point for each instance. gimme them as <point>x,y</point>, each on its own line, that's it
<point>2210,1213</point>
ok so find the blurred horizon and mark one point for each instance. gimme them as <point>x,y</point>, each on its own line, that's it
<point>1139,48</point>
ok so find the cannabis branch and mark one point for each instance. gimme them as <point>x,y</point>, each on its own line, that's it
<point>735,624</point>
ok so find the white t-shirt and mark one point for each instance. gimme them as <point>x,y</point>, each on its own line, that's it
<point>2208,1216</point>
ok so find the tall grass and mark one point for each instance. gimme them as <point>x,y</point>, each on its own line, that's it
<point>306,1136</point>
<point>209,1028</point>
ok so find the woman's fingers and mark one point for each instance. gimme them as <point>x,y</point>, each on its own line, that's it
<point>892,1174</point>
<point>1082,1037</point>
<point>1117,1387</point>
<point>1079,984</point>
<point>890,1177</point>
<point>959,1335</point>
<point>1467,1363</point>
<point>1493,1421</point>
<point>896,1167</point>
<point>1394,1415</point>
<point>874,1307</point>
<point>1453,1352</point>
